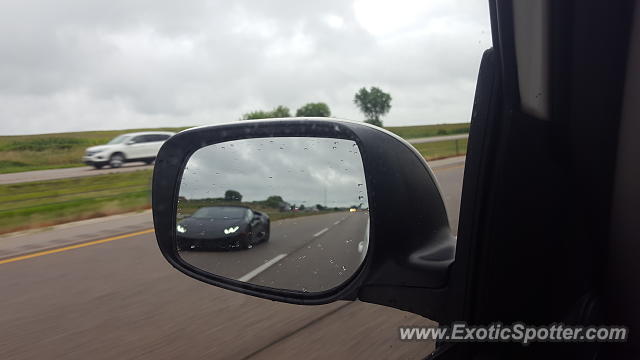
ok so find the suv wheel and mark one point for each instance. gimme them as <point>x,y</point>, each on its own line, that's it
<point>116,160</point>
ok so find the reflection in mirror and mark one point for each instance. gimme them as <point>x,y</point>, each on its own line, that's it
<point>287,213</point>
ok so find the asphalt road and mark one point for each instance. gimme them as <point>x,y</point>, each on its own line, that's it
<point>53,174</point>
<point>313,253</point>
<point>116,298</point>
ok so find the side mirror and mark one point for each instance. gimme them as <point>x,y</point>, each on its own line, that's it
<point>397,242</point>
<point>130,142</point>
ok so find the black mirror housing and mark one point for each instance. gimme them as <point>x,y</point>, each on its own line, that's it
<point>411,248</point>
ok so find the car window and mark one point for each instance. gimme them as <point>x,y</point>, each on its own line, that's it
<point>118,140</point>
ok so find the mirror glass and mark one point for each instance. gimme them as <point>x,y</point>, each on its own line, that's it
<point>287,213</point>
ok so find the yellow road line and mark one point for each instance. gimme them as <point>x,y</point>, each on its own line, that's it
<point>71,247</point>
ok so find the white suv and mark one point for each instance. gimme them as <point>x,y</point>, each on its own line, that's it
<point>140,146</point>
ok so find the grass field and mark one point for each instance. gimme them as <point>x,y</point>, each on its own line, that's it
<point>53,151</point>
<point>442,149</point>
<point>36,204</point>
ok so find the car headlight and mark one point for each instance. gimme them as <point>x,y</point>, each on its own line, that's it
<point>181,229</point>
<point>231,230</point>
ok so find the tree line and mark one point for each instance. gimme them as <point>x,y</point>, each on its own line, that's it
<point>373,103</point>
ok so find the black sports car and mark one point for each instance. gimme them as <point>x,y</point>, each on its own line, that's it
<point>223,227</point>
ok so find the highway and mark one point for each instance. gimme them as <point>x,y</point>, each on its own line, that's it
<point>54,174</point>
<point>100,289</point>
<point>322,248</point>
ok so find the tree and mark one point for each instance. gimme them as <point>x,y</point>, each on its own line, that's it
<point>232,195</point>
<point>314,110</point>
<point>320,207</point>
<point>274,201</point>
<point>373,103</point>
<point>278,112</point>
<point>301,208</point>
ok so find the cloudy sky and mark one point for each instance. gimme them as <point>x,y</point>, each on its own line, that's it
<point>300,170</point>
<point>70,65</point>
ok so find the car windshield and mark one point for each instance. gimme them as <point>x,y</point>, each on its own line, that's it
<point>118,140</point>
<point>220,213</point>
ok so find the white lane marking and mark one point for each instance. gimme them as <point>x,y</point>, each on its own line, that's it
<point>321,232</point>
<point>337,222</point>
<point>255,272</point>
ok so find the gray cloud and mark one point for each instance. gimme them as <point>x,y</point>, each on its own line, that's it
<point>81,65</point>
<point>300,170</point>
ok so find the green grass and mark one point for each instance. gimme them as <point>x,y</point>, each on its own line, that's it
<point>63,150</point>
<point>43,203</point>
<point>442,149</point>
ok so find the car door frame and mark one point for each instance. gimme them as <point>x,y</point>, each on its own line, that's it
<point>534,217</point>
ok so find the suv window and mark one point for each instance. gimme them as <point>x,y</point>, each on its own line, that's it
<point>138,139</point>
<point>158,137</point>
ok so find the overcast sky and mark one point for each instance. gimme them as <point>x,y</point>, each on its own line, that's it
<point>71,65</point>
<point>300,170</point>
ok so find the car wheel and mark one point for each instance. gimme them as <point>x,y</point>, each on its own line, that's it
<point>116,160</point>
